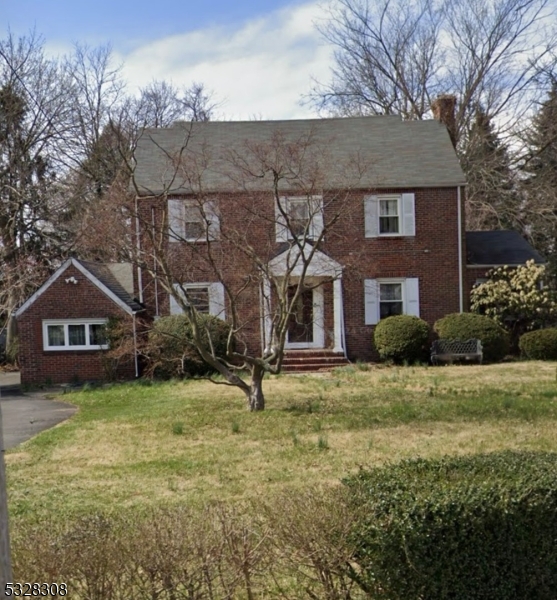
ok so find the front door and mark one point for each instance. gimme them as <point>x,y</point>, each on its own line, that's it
<point>300,321</point>
<point>305,323</point>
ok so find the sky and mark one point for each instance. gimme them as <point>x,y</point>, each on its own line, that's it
<point>258,57</point>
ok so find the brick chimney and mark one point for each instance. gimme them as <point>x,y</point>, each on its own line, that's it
<point>443,109</point>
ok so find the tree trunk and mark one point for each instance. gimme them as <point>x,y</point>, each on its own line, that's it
<point>255,397</point>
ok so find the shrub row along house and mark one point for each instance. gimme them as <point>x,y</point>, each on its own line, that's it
<point>302,232</point>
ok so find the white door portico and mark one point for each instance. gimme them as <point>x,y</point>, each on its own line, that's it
<point>321,268</point>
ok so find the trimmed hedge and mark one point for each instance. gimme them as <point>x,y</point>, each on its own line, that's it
<point>540,344</point>
<point>481,527</point>
<point>402,338</point>
<point>464,326</point>
<point>171,352</point>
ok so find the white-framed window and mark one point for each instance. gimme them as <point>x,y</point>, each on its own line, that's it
<point>75,334</point>
<point>192,221</point>
<point>298,216</point>
<point>389,215</point>
<point>207,298</point>
<point>387,297</point>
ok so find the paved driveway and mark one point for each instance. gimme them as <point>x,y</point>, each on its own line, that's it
<point>25,415</point>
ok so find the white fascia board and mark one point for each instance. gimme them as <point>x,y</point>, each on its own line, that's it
<point>502,265</point>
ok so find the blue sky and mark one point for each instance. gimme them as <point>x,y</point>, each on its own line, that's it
<point>257,56</point>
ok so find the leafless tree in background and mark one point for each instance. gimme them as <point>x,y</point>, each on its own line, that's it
<point>397,56</point>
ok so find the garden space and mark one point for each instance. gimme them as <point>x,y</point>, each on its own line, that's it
<point>140,447</point>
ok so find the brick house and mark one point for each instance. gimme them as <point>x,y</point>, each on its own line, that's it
<point>61,326</point>
<point>394,189</point>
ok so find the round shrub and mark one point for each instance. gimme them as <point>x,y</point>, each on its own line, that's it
<point>540,344</point>
<point>402,338</point>
<point>171,352</point>
<point>465,326</point>
<point>480,526</point>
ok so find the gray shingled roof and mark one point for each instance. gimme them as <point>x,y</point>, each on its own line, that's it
<point>391,152</point>
<point>499,248</point>
<point>106,276</point>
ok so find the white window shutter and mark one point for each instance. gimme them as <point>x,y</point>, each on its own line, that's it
<point>176,229</point>
<point>371,298</point>
<point>281,227</point>
<point>216,300</point>
<point>175,308</point>
<point>213,219</point>
<point>316,213</point>
<point>408,215</point>
<point>412,306</point>
<point>371,216</point>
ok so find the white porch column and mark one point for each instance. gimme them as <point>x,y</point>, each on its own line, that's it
<point>337,307</point>
<point>267,315</point>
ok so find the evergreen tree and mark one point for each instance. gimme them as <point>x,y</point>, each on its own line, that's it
<point>540,178</point>
<point>492,198</point>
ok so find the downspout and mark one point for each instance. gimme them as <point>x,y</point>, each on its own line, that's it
<point>155,265</point>
<point>138,246</point>
<point>262,323</point>
<point>136,360</point>
<point>460,273</point>
<point>343,328</point>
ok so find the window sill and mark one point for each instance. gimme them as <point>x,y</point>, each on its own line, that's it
<point>75,349</point>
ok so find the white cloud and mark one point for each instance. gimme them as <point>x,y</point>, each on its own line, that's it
<point>260,70</point>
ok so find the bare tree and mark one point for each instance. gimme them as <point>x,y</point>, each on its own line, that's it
<point>67,130</point>
<point>106,123</point>
<point>161,104</point>
<point>395,57</point>
<point>279,189</point>
<point>34,121</point>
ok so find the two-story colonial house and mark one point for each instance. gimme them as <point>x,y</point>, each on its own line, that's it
<point>378,202</point>
<point>367,213</point>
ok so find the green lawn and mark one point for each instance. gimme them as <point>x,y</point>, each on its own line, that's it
<point>189,442</point>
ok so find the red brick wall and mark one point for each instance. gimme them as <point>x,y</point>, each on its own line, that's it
<point>65,301</point>
<point>431,256</point>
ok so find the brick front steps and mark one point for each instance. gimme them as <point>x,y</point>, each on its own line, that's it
<point>298,361</point>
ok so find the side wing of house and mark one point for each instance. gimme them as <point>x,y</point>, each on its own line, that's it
<point>61,328</point>
<point>487,250</point>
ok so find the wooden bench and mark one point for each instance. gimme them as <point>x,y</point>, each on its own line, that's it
<point>451,350</point>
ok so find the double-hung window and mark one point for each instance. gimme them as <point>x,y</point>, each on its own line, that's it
<point>298,217</point>
<point>388,297</point>
<point>78,334</point>
<point>389,215</point>
<point>194,223</point>
<point>192,220</point>
<point>207,298</point>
